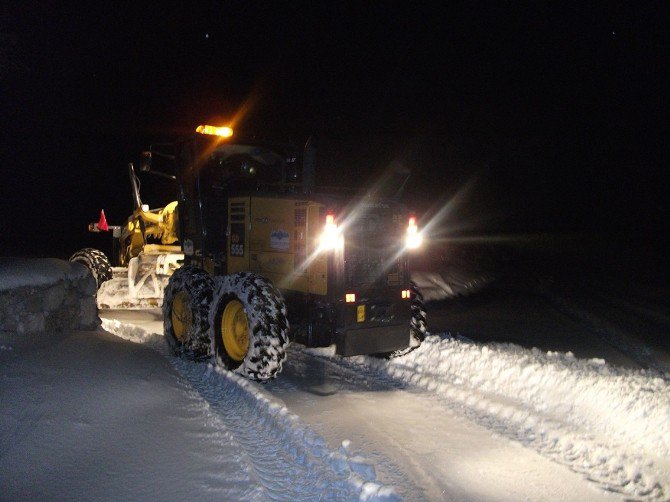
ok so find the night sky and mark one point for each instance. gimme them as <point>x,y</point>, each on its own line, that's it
<point>543,117</point>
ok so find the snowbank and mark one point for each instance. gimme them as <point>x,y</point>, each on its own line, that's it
<point>610,424</point>
<point>46,295</point>
<point>21,272</point>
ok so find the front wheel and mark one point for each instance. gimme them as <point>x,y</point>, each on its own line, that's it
<point>248,326</point>
<point>96,261</point>
<point>186,302</point>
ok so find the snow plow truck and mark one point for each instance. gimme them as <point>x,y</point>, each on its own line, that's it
<point>252,255</point>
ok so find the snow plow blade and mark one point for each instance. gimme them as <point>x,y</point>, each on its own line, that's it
<point>373,340</point>
<point>141,285</point>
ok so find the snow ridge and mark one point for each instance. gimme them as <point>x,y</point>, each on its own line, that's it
<point>33,272</point>
<point>610,424</point>
<point>285,457</point>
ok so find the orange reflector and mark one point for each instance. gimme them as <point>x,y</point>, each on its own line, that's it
<point>350,297</point>
<point>405,294</point>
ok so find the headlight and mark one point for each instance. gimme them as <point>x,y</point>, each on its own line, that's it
<point>413,238</point>
<point>332,237</point>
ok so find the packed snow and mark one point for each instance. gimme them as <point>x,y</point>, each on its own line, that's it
<point>610,425</point>
<point>284,448</point>
<point>338,404</point>
<point>92,415</point>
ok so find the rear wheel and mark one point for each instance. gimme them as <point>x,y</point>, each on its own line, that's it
<point>417,325</point>
<point>96,261</point>
<point>235,330</point>
<point>248,326</point>
<point>186,302</point>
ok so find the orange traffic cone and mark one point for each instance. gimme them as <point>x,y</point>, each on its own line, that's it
<point>102,224</point>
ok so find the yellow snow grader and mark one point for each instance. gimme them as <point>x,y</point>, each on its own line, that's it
<point>252,254</point>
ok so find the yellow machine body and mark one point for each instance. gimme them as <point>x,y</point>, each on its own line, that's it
<point>150,231</point>
<point>276,238</point>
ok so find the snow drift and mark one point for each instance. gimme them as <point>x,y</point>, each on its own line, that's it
<point>608,423</point>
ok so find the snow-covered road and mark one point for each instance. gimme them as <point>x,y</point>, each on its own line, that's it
<point>421,447</point>
<point>88,415</point>
<point>92,415</point>
<point>460,420</point>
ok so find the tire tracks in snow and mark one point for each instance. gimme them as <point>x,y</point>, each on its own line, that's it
<point>286,458</point>
<point>283,470</point>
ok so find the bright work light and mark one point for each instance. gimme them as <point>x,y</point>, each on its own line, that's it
<point>332,237</point>
<point>413,239</point>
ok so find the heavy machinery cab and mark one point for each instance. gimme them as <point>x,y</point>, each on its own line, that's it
<point>211,171</point>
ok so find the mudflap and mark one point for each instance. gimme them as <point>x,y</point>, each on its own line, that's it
<point>375,340</point>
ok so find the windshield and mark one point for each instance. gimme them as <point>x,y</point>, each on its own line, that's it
<point>244,165</point>
<point>156,192</point>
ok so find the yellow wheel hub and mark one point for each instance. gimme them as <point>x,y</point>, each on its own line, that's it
<point>182,317</point>
<point>235,330</point>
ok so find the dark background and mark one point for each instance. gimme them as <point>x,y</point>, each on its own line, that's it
<point>538,117</point>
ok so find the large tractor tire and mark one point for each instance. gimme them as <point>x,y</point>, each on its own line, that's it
<point>96,261</point>
<point>418,323</point>
<point>418,328</point>
<point>248,326</point>
<point>186,303</point>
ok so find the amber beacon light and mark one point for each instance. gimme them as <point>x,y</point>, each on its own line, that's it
<point>223,132</point>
